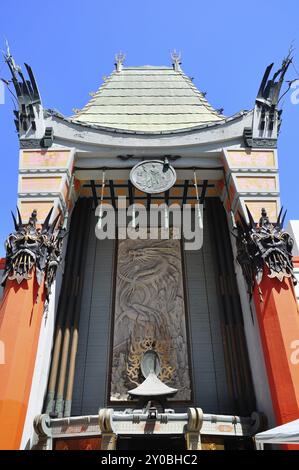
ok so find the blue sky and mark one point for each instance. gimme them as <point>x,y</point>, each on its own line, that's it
<point>225,46</point>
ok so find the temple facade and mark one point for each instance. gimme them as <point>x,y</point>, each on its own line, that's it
<point>148,293</point>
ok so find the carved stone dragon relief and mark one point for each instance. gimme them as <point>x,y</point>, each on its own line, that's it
<point>31,247</point>
<point>149,314</point>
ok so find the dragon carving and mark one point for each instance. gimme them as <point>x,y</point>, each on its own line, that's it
<point>149,315</point>
<point>30,246</point>
<point>264,244</point>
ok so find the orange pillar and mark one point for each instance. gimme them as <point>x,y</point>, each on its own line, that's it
<point>278,317</point>
<point>21,311</point>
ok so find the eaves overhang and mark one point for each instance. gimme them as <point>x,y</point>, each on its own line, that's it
<point>86,137</point>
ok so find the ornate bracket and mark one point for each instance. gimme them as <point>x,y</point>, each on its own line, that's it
<point>31,248</point>
<point>109,437</point>
<point>42,428</point>
<point>192,433</point>
<point>264,244</point>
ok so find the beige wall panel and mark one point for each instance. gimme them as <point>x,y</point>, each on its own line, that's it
<point>45,159</point>
<point>31,184</point>
<point>255,208</point>
<point>42,207</point>
<point>253,183</point>
<point>251,159</point>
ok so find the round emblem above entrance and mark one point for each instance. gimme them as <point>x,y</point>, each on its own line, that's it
<point>153,176</point>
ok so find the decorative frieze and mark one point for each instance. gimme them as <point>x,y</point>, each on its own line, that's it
<point>30,143</point>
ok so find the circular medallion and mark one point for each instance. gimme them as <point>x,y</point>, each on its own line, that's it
<point>153,176</point>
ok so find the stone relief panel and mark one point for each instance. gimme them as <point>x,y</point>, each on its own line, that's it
<point>149,314</point>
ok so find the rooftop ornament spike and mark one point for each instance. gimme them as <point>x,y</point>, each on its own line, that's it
<point>32,247</point>
<point>119,60</point>
<point>267,117</point>
<point>176,60</point>
<point>29,117</point>
<point>269,91</point>
<point>264,245</point>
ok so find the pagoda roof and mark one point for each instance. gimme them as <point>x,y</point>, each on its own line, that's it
<point>152,387</point>
<point>148,99</point>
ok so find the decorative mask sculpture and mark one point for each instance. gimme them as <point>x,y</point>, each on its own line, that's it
<point>264,244</point>
<point>32,247</point>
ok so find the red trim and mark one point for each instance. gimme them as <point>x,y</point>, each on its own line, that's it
<point>278,318</point>
<point>21,312</point>
<point>2,263</point>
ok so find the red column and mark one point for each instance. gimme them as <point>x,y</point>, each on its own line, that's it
<point>278,317</point>
<point>21,311</point>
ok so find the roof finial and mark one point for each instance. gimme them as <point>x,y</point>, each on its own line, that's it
<point>176,60</point>
<point>10,60</point>
<point>119,60</point>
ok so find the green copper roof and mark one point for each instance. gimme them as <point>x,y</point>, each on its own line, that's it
<point>148,99</point>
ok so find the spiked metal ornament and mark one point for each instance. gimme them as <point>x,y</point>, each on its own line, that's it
<point>264,244</point>
<point>33,247</point>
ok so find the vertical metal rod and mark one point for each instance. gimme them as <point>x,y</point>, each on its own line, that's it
<point>149,198</point>
<point>131,192</point>
<point>166,211</point>
<point>94,193</point>
<point>185,193</point>
<point>112,194</point>
<point>199,215</point>
<point>195,185</point>
<point>131,199</point>
<point>102,199</point>
<point>203,191</point>
<point>167,194</point>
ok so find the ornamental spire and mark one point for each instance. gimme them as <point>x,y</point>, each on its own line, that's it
<point>119,60</point>
<point>176,60</point>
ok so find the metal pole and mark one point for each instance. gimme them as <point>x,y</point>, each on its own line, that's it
<point>101,199</point>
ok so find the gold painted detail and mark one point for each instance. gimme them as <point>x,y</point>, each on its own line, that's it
<point>137,350</point>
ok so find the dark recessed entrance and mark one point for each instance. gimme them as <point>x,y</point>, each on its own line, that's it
<point>160,443</point>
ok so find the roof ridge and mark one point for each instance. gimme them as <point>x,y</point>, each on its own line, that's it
<point>143,67</point>
<point>97,93</point>
<point>202,98</point>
